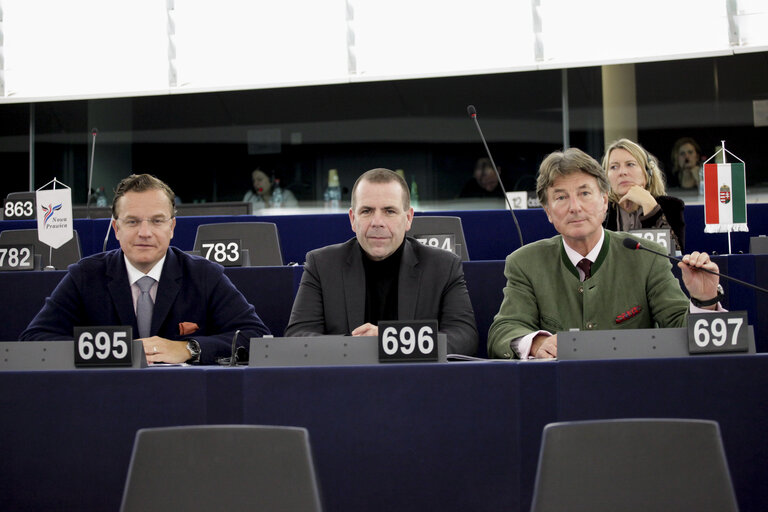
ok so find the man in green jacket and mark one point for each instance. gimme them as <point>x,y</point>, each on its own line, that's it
<point>584,277</point>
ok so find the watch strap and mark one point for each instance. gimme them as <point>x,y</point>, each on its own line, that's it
<point>709,302</point>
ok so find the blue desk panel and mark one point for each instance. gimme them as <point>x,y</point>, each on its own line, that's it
<point>729,391</point>
<point>449,437</point>
<point>67,436</point>
<point>403,437</point>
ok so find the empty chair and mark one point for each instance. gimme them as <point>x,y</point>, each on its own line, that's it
<point>59,258</point>
<point>221,467</point>
<point>259,238</point>
<point>432,230</point>
<point>633,465</point>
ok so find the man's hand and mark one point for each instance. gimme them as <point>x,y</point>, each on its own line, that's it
<point>162,350</point>
<point>701,285</point>
<point>544,346</point>
<point>366,330</point>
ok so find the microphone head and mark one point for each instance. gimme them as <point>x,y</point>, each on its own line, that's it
<point>94,131</point>
<point>471,111</point>
<point>631,243</point>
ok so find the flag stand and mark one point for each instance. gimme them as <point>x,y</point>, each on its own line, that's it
<point>724,195</point>
<point>50,266</point>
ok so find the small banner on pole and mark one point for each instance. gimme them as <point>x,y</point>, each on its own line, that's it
<point>54,216</point>
<point>725,197</point>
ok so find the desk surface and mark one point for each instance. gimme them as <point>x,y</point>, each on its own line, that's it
<point>454,436</point>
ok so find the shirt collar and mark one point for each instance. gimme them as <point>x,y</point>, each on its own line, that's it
<point>575,257</point>
<point>135,274</point>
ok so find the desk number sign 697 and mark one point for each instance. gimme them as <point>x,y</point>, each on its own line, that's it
<point>718,332</point>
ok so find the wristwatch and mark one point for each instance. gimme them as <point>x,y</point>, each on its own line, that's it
<point>194,351</point>
<point>701,303</point>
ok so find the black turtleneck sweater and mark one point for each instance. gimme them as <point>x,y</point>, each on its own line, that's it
<point>381,286</point>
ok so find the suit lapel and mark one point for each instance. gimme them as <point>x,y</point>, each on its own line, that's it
<point>120,289</point>
<point>167,290</point>
<point>354,294</point>
<point>409,283</point>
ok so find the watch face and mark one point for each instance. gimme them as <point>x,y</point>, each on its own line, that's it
<point>194,348</point>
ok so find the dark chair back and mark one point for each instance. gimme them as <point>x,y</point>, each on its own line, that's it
<point>59,258</point>
<point>259,238</point>
<point>633,465</point>
<point>221,467</point>
<point>428,227</point>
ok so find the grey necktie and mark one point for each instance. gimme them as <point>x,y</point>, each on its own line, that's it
<point>144,306</point>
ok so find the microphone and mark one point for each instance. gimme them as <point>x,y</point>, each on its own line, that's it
<point>94,132</point>
<point>473,114</point>
<point>633,244</point>
<point>232,360</point>
<point>233,357</point>
<point>106,237</point>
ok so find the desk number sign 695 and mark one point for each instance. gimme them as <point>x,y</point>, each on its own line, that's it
<point>103,346</point>
<point>408,341</point>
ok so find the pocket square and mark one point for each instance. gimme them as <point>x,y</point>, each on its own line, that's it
<point>186,328</point>
<point>628,314</point>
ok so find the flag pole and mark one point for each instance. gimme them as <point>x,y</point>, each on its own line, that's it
<point>722,148</point>
<point>50,266</point>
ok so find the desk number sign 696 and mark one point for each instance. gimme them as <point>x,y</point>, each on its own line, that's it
<point>408,341</point>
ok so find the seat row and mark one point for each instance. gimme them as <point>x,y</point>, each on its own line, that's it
<point>634,464</point>
<point>242,244</point>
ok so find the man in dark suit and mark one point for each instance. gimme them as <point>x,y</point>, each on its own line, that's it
<point>188,310</point>
<point>382,275</point>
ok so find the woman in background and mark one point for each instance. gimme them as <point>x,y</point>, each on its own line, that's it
<point>637,198</point>
<point>262,193</point>
<point>686,163</point>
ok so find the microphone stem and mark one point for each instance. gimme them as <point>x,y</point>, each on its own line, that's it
<point>233,358</point>
<point>90,177</point>
<point>744,283</point>
<point>498,176</point>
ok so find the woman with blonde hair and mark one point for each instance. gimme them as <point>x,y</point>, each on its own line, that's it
<point>637,198</point>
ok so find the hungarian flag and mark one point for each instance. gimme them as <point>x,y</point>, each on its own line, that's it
<point>725,198</point>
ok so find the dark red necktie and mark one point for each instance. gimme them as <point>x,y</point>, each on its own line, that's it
<point>586,266</point>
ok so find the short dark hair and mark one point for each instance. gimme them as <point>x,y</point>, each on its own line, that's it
<point>142,183</point>
<point>381,175</point>
<point>563,163</point>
